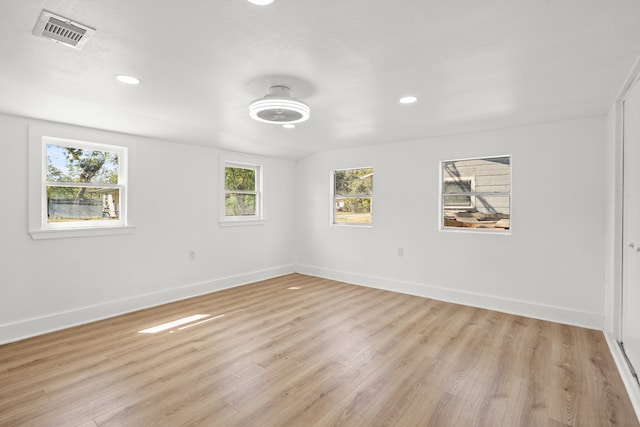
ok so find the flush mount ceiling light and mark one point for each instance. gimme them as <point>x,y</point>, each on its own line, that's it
<point>408,100</point>
<point>130,80</point>
<point>279,108</point>
<point>261,2</point>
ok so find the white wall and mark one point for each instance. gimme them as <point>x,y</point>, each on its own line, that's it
<point>550,267</point>
<point>174,196</point>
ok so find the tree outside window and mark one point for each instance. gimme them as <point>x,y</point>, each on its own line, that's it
<point>353,196</point>
<point>83,184</point>
<point>242,195</point>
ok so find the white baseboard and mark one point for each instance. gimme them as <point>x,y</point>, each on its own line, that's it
<point>37,326</point>
<point>505,305</point>
<point>633,389</point>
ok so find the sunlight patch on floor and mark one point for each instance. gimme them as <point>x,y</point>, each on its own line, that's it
<point>173,324</point>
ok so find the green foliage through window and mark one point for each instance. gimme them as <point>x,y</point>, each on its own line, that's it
<point>241,191</point>
<point>82,184</point>
<point>353,194</point>
<point>67,164</point>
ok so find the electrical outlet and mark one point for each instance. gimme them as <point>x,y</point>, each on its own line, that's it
<point>400,251</point>
<point>192,255</point>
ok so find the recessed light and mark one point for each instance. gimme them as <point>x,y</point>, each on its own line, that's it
<point>289,126</point>
<point>408,100</point>
<point>261,2</point>
<point>130,80</point>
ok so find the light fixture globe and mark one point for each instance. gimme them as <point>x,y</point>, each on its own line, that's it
<point>279,108</point>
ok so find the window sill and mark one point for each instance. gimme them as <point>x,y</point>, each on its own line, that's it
<point>469,230</point>
<point>351,225</point>
<point>64,233</point>
<point>242,223</point>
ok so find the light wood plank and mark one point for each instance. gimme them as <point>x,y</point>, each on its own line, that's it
<point>304,351</point>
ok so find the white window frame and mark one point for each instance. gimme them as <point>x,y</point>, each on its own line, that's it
<point>471,204</point>
<point>334,196</point>
<point>39,138</point>
<point>233,220</point>
<point>441,194</point>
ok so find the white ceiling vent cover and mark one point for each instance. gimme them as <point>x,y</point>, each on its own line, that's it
<point>62,30</point>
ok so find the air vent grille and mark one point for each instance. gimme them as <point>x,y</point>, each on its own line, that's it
<point>62,30</point>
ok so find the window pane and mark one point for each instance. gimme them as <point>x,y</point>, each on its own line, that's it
<point>457,186</point>
<point>457,201</point>
<point>240,204</point>
<point>65,164</point>
<point>353,210</point>
<point>479,175</point>
<point>489,212</point>
<point>66,204</point>
<point>354,181</point>
<point>239,179</point>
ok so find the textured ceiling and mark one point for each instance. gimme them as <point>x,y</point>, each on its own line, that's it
<point>474,65</point>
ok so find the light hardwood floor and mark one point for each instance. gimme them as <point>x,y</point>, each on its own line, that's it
<point>304,351</point>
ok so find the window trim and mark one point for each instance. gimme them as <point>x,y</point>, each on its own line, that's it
<point>441,207</point>
<point>333,198</point>
<point>233,221</point>
<point>39,136</point>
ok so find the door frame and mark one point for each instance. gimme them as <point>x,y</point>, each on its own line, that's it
<point>615,238</point>
<point>618,241</point>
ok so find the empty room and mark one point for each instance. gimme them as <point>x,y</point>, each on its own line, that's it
<point>320,213</point>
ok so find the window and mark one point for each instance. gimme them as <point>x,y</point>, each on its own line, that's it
<point>460,185</point>
<point>476,193</point>
<point>84,185</point>
<point>242,192</point>
<point>353,196</point>
<point>78,182</point>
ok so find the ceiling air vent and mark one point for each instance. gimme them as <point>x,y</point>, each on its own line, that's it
<point>62,30</point>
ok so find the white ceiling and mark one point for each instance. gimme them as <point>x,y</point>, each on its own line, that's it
<point>474,65</point>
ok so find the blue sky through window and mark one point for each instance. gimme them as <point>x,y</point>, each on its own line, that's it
<point>57,157</point>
